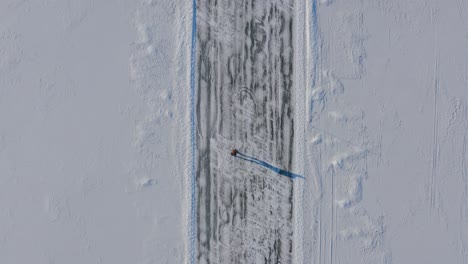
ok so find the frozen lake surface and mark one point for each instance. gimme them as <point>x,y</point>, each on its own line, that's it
<point>117,121</point>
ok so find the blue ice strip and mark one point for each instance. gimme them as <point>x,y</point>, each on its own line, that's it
<point>193,142</point>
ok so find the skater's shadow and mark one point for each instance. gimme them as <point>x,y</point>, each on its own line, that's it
<point>268,166</point>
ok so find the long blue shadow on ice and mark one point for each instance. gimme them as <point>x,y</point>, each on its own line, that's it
<point>269,166</point>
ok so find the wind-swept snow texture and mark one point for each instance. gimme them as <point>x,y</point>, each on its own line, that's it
<point>387,122</point>
<point>93,131</point>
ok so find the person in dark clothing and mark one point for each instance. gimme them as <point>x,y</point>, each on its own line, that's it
<point>234,152</point>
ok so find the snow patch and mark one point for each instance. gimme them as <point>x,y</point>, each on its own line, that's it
<point>348,47</point>
<point>317,139</point>
<point>353,192</point>
<point>346,160</point>
<point>337,116</point>
<point>145,182</point>
<point>319,96</point>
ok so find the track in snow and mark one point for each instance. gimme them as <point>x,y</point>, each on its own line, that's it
<point>244,91</point>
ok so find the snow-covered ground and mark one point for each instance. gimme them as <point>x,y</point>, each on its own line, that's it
<point>99,134</point>
<point>90,131</point>
<point>388,123</point>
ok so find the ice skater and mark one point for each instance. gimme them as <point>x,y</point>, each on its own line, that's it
<point>234,152</point>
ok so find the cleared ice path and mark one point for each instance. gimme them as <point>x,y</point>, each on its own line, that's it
<point>244,72</point>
